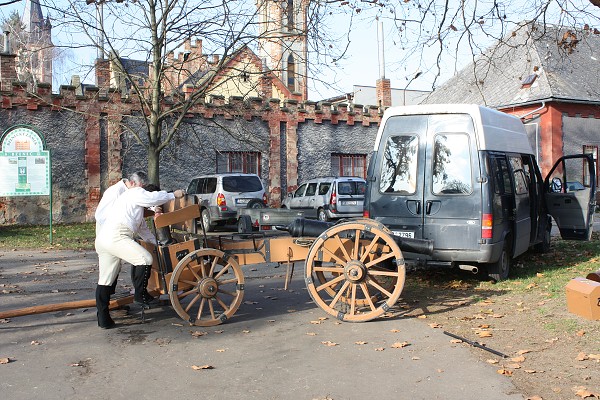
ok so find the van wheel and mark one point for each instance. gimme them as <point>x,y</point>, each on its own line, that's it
<point>208,226</point>
<point>245,224</point>
<point>322,215</point>
<point>499,270</point>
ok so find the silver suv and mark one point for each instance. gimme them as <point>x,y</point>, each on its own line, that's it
<point>329,198</point>
<point>221,195</point>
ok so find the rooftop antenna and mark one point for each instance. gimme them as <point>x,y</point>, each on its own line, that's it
<point>381,56</point>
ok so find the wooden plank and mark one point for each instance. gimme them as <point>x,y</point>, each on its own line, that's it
<point>70,305</point>
<point>177,216</point>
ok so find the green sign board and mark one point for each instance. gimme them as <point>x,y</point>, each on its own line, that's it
<point>24,164</point>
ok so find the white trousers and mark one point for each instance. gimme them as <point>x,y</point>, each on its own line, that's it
<point>116,244</point>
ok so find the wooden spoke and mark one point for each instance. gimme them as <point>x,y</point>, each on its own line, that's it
<point>364,285</point>
<point>188,285</point>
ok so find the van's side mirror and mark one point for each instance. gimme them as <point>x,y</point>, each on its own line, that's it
<point>290,195</point>
<point>556,186</point>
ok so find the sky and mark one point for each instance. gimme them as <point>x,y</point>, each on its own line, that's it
<point>360,67</point>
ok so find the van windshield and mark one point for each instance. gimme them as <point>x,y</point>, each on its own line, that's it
<point>241,184</point>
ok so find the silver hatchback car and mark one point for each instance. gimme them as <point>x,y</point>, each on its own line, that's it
<point>221,196</point>
<point>329,198</point>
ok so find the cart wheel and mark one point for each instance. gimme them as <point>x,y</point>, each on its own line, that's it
<point>206,287</point>
<point>355,271</point>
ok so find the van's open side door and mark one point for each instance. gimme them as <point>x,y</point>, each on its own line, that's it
<point>570,195</point>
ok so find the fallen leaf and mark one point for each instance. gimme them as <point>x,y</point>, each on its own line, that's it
<point>504,371</point>
<point>394,330</point>
<point>422,316</point>
<point>220,350</point>
<point>323,318</point>
<point>329,343</point>
<point>594,357</point>
<point>199,367</point>
<point>535,398</point>
<point>311,334</point>
<point>316,322</point>
<point>456,341</point>
<point>492,361</point>
<point>539,275</point>
<point>5,360</point>
<point>415,358</point>
<point>250,302</point>
<point>35,343</point>
<point>484,326</point>
<point>582,357</point>
<point>360,342</point>
<point>271,320</point>
<point>379,349</point>
<point>513,366</point>
<point>245,331</point>
<point>523,351</point>
<point>219,331</point>
<point>399,345</point>
<point>434,325</point>
<point>198,333</point>
<point>530,371</point>
<point>584,393</point>
<point>580,333</point>
<point>4,321</point>
<point>518,359</point>
<point>484,334</point>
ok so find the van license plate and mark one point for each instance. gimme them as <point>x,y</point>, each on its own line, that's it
<point>404,234</point>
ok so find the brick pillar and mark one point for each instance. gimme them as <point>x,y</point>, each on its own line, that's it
<point>266,86</point>
<point>103,73</point>
<point>8,71</point>
<point>92,163</point>
<point>384,92</point>
<point>551,138</point>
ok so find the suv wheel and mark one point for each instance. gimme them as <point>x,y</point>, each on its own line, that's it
<point>208,226</point>
<point>256,204</point>
<point>322,215</point>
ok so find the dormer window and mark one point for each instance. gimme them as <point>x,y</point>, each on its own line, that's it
<point>528,81</point>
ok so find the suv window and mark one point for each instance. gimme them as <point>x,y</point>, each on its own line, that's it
<point>193,187</point>
<point>210,185</point>
<point>241,184</point>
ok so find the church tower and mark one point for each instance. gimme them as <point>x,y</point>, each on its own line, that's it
<point>283,41</point>
<point>34,57</point>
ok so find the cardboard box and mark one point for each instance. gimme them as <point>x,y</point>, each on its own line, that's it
<point>583,298</point>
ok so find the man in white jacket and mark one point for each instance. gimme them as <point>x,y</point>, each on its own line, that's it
<point>115,242</point>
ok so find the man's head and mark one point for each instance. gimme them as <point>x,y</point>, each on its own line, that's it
<point>137,179</point>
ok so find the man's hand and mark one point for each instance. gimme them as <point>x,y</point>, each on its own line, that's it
<point>179,193</point>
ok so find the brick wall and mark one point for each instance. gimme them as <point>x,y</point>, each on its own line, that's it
<point>90,150</point>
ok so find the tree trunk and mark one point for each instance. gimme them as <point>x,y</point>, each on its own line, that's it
<point>153,164</point>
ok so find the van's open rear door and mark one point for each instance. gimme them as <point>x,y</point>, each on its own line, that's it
<point>571,195</point>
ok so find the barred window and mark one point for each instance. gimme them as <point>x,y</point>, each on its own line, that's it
<point>349,165</point>
<point>247,162</point>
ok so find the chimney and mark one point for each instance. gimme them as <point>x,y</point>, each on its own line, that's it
<point>8,69</point>
<point>383,91</point>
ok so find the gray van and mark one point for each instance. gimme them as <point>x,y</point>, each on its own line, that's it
<point>328,198</point>
<point>221,196</point>
<point>465,177</point>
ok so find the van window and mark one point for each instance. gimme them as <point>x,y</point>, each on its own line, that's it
<point>324,188</point>
<point>452,164</point>
<point>516,164</point>
<point>300,191</point>
<point>499,166</point>
<point>399,169</point>
<point>311,189</point>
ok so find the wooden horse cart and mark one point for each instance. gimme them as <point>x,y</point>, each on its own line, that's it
<point>353,270</point>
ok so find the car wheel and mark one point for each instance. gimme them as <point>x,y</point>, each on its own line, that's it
<point>499,270</point>
<point>322,215</point>
<point>208,226</point>
<point>244,224</point>
<point>255,204</point>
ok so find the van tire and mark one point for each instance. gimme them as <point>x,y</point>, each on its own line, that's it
<point>499,270</point>
<point>244,224</point>
<point>208,226</point>
<point>322,215</point>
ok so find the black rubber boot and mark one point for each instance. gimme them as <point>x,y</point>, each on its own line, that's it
<point>139,276</point>
<point>102,300</point>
